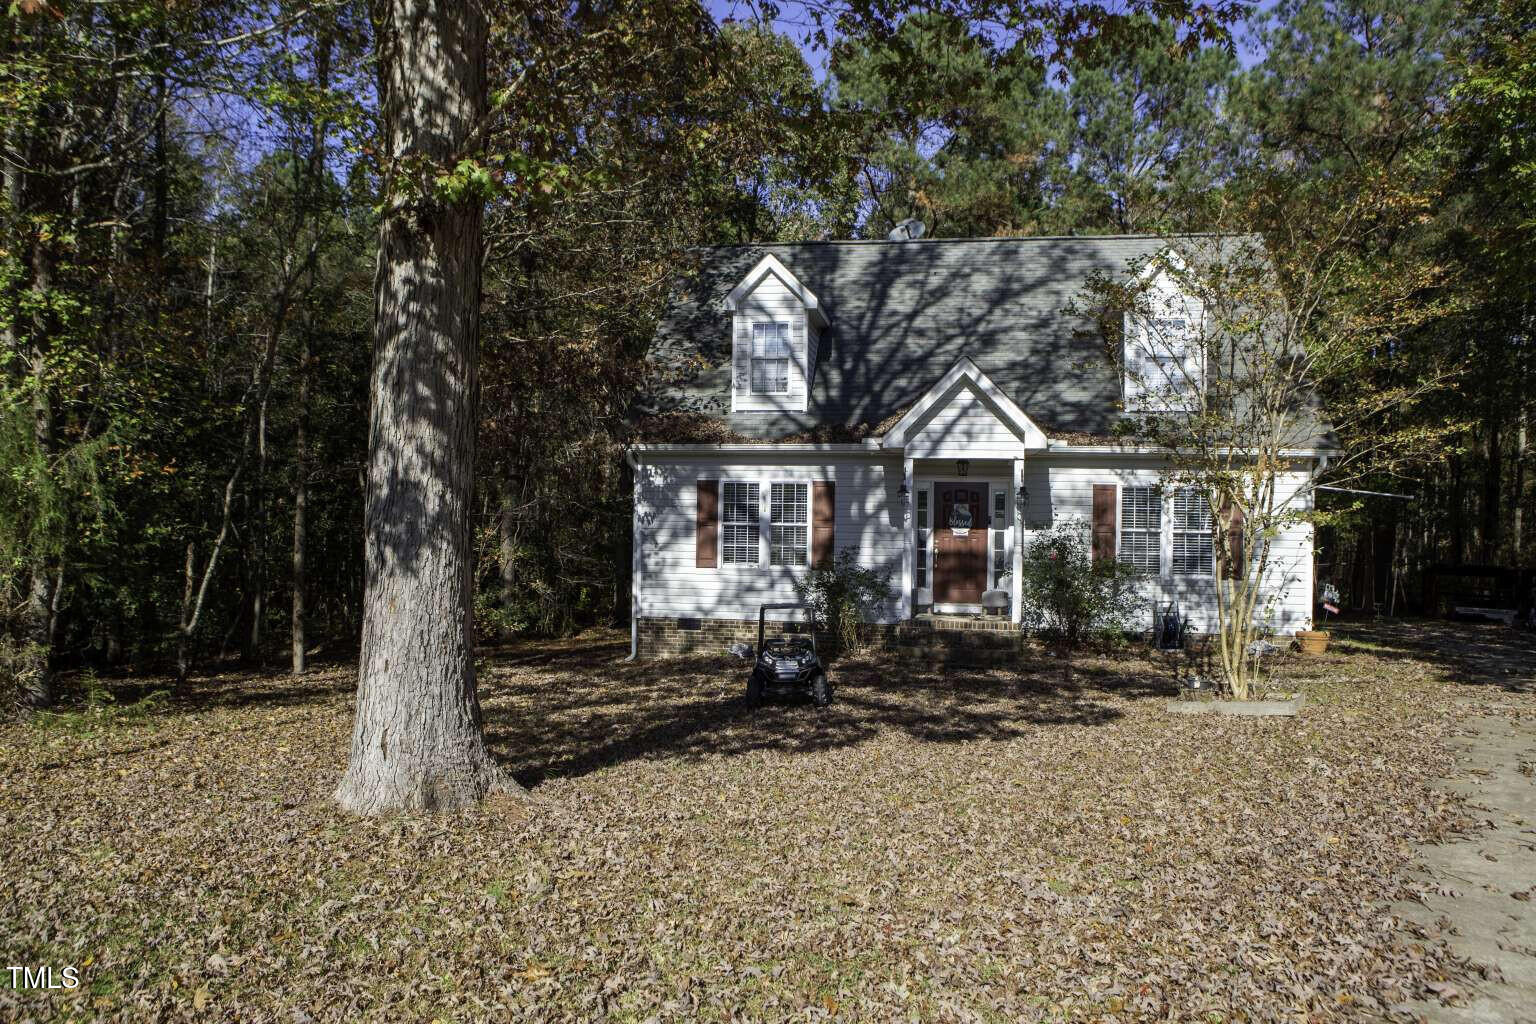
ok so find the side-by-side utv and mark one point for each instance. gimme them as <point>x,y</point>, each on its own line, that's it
<point>786,665</point>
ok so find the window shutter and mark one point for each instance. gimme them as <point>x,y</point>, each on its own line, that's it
<point>707,532</point>
<point>1232,521</point>
<point>823,521</point>
<point>742,353</point>
<point>798,355</point>
<point>1103,522</point>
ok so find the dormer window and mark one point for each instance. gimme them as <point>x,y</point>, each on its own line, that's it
<point>1163,362</point>
<point>770,358</point>
<point>776,325</point>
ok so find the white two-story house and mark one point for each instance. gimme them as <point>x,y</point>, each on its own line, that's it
<point>928,405</point>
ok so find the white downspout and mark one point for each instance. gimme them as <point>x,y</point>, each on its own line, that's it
<point>634,559</point>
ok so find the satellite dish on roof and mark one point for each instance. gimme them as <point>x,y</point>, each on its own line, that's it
<point>907,230</point>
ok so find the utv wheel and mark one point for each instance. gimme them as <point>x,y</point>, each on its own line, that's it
<point>754,691</point>
<point>821,690</point>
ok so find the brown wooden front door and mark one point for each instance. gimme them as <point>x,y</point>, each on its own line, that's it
<point>960,544</point>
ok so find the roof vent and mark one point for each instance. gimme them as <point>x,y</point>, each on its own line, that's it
<point>907,230</point>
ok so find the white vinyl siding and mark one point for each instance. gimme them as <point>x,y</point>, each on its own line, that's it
<point>1141,527</point>
<point>789,524</point>
<point>1061,492</point>
<point>867,519</point>
<point>964,426</point>
<point>1193,554</point>
<point>739,531</point>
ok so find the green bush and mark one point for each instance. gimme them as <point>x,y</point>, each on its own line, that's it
<point>1068,596</point>
<point>844,594</point>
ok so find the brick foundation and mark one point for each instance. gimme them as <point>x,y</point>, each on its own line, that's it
<point>676,637</point>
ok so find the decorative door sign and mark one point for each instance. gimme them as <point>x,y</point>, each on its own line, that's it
<point>960,519</point>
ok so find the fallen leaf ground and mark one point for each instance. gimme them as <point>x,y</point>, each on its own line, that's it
<point>993,845</point>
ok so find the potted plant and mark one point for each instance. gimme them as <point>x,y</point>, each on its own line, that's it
<point>1315,641</point>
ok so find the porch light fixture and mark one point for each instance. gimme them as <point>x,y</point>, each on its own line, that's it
<point>906,495</point>
<point>962,467</point>
<point>1022,497</point>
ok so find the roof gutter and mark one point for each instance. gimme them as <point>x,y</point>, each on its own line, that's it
<point>863,447</point>
<point>1061,448</point>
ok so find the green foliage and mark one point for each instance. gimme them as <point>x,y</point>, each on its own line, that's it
<point>1068,596</point>
<point>843,595</point>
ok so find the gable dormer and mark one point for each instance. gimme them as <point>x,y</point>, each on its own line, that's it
<point>776,324</point>
<point>1163,361</point>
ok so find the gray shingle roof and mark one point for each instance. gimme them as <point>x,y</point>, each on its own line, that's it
<point>900,314</point>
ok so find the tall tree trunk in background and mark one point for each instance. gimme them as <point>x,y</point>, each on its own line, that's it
<point>37,658</point>
<point>506,538</point>
<point>258,520</point>
<point>314,172</point>
<point>417,742</point>
<point>1519,502</point>
<point>300,505</point>
<point>1458,519</point>
<point>1493,489</point>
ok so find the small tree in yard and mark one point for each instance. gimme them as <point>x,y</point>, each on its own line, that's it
<point>1239,355</point>
<point>843,594</point>
<point>1067,595</point>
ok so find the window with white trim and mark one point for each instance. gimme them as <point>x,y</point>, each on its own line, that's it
<point>1193,554</point>
<point>1161,366</point>
<point>789,524</point>
<point>770,358</point>
<point>1141,527</point>
<point>739,533</point>
<point>999,541</point>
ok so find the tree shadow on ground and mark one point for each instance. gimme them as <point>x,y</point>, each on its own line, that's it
<point>569,713</point>
<point>1469,653</point>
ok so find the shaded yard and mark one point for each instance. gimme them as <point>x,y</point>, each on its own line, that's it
<point>966,845</point>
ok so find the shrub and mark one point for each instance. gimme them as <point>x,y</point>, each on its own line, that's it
<point>844,594</point>
<point>1067,595</point>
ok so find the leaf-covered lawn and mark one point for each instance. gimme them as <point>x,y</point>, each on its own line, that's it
<point>938,845</point>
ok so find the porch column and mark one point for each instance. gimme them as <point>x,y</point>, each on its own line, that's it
<point>909,546</point>
<point>1015,600</point>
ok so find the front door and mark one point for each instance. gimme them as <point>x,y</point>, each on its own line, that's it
<point>960,544</point>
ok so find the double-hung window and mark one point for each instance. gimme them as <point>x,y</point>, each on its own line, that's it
<point>770,358</point>
<point>789,523</point>
<point>738,524</point>
<point>1161,370</point>
<point>1192,551</point>
<point>1141,527</point>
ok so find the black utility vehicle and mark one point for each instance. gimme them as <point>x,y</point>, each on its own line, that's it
<point>786,664</point>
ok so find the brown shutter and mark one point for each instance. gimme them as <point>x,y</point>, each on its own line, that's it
<point>823,521</point>
<point>1103,522</point>
<point>707,532</point>
<point>1232,521</point>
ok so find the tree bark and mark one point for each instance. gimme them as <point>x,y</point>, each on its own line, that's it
<point>37,657</point>
<point>1493,489</point>
<point>417,741</point>
<point>300,507</point>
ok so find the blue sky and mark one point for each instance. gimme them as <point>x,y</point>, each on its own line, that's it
<point>794,23</point>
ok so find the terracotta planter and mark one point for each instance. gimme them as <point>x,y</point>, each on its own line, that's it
<point>1312,641</point>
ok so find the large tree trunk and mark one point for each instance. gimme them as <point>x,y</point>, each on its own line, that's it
<point>417,742</point>
<point>300,507</point>
<point>1493,489</point>
<point>37,657</point>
